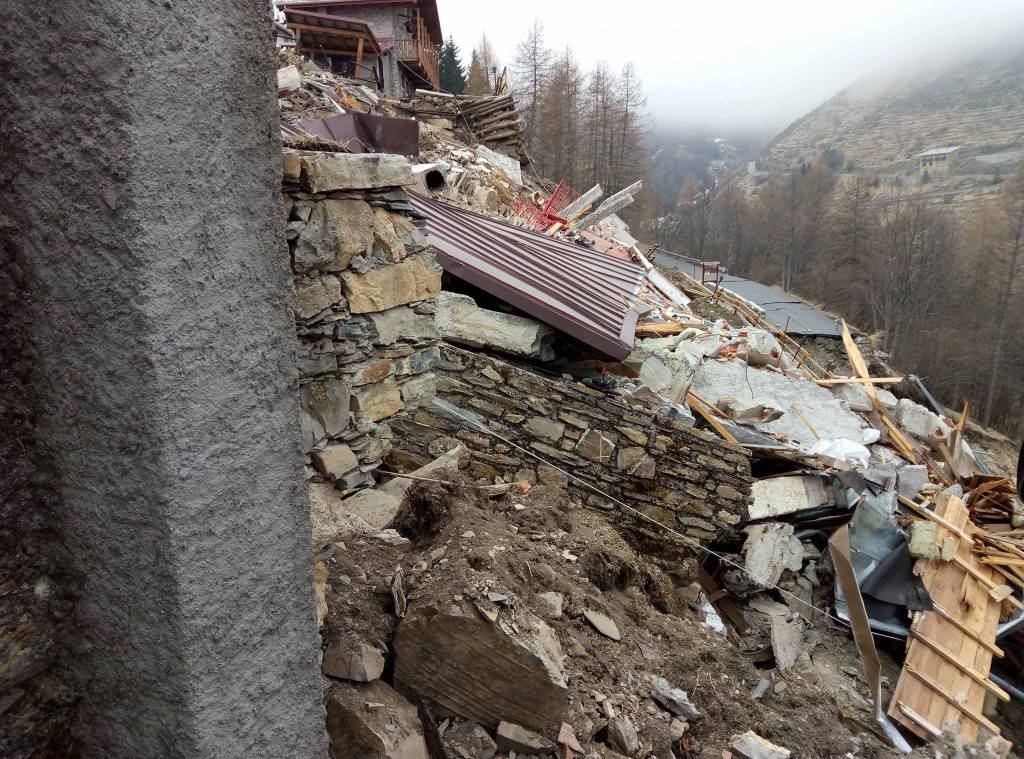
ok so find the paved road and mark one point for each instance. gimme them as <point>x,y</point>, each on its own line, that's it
<point>785,311</point>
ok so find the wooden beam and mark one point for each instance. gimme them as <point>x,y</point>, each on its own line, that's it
<point>860,380</point>
<point>707,416</point>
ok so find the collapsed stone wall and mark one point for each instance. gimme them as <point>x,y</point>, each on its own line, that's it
<point>680,476</point>
<point>365,280</point>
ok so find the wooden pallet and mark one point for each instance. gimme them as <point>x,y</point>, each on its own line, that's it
<point>945,680</point>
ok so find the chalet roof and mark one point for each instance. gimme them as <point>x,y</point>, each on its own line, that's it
<point>939,151</point>
<point>427,7</point>
<point>324,26</point>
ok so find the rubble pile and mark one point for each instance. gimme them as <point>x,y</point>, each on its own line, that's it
<point>525,625</point>
<point>539,538</point>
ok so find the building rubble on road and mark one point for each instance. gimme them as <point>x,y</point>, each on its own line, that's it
<point>554,487</point>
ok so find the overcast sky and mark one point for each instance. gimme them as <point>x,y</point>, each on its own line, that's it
<point>736,64</point>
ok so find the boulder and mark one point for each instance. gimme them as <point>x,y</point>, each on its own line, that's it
<point>327,172</point>
<point>337,231</point>
<point>459,320</point>
<point>385,287</point>
<point>372,721</point>
<point>485,672</point>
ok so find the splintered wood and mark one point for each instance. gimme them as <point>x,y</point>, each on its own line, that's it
<point>944,680</point>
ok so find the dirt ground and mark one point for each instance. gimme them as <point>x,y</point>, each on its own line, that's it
<point>464,545</point>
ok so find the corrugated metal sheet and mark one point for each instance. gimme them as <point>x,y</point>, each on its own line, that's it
<point>579,291</point>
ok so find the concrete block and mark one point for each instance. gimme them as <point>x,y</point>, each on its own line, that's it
<point>788,495</point>
<point>922,423</point>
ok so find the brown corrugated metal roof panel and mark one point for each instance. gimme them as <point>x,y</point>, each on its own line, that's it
<point>577,290</point>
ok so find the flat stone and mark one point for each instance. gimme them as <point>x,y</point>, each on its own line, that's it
<point>482,671</point>
<point>419,391</point>
<point>596,447</point>
<point>545,429</point>
<point>776,496</point>
<point>386,234</point>
<point>360,663</point>
<point>460,320</point>
<point>314,295</point>
<point>603,624</point>
<point>389,286</point>
<point>327,172</point>
<point>335,461</point>
<point>337,231</point>
<point>636,461</point>
<point>418,362</point>
<point>371,372</point>
<point>516,738</point>
<point>910,480</point>
<point>378,401</point>
<point>391,731</point>
<point>673,699</point>
<point>548,475</point>
<point>402,322</point>
<point>753,746</point>
<point>327,402</point>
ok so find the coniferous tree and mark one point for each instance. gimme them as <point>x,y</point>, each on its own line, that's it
<point>477,83</point>
<point>452,73</point>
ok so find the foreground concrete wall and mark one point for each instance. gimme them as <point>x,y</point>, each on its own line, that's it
<point>143,219</point>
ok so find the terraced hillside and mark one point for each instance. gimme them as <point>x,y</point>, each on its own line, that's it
<point>879,124</point>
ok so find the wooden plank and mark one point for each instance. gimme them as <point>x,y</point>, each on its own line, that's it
<point>921,722</point>
<point>859,380</point>
<point>965,668</point>
<point>709,418</point>
<point>919,509</point>
<point>950,649</point>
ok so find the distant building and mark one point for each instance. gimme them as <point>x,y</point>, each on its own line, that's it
<point>937,160</point>
<point>390,43</point>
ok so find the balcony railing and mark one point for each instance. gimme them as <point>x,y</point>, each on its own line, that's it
<point>423,56</point>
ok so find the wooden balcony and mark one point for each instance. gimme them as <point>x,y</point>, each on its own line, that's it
<point>421,57</point>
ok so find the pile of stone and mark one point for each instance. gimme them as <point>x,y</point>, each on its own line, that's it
<point>365,283</point>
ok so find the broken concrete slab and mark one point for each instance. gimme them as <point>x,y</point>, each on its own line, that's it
<point>751,410</point>
<point>911,480</point>
<point>390,729</point>
<point>759,348</point>
<point>359,662</point>
<point>673,699</point>
<point>517,738</point>
<point>734,379</point>
<point>459,320</point>
<point>856,397</point>
<point>486,672</point>
<point>771,549</point>
<point>753,746</point>
<point>923,424</point>
<point>791,494</point>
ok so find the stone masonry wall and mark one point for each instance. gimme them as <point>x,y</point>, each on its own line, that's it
<point>680,476</point>
<point>364,284</point>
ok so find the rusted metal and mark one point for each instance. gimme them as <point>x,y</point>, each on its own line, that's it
<point>584,293</point>
<point>363,132</point>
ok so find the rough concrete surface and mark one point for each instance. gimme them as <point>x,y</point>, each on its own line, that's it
<point>141,151</point>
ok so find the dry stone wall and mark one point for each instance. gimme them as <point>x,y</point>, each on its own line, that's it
<point>365,281</point>
<point>680,476</point>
